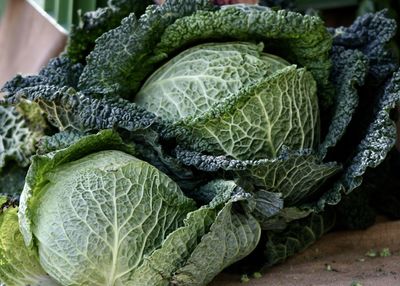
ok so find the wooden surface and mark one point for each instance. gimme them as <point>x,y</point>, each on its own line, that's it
<point>27,40</point>
<point>338,259</point>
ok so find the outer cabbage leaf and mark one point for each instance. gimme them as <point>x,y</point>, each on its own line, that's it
<point>66,109</point>
<point>20,130</point>
<point>232,237</point>
<point>58,141</point>
<point>216,229</point>
<point>123,57</point>
<point>19,265</point>
<point>362,49</point>
<point>370,34</point>
<point>94,23</point>
<point>359,52</point>
<point>296,175</point>
<point>259,120</point>
<point>59,72</point>
<point>379,139</point>
<point>17,139</point>
<point>349,70</point>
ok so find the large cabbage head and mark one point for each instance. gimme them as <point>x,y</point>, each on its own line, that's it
<point>234,99</point>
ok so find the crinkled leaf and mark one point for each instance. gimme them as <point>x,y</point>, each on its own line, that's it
<point>379,138</point>
<point>66,108</point>
<point>216,191</point>
<point>58,141</point>
<point>17,138</point>
<point>266,204</point>
<point>349,70</point>
<point>150,149</point>
<point>158,268</point>
<point>295,175</point>
<point>217,229</point>
<point>370,34</point>
<point>59,72</point>
<point>232,237</point>
<point>94,23</point>
<point>226,236</point>
<point>259,120</point>
<point>132,44</point>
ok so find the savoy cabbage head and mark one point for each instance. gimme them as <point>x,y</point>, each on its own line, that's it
<point>187,134</point>
<point>97,215</point>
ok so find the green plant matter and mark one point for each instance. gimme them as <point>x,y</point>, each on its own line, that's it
<point>195,135</point>
<point>19,264</point>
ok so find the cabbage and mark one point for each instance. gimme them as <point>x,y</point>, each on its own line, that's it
<point>189,134</point>
<point>99,216</point>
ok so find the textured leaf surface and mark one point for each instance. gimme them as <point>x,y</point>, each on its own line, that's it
<point>105,140</point>
<point>68,109</point>
<point>205,75</point>
<point>296,178</point>
<point>121,210</point>
<point>59,72</point>
<point>379,139</point>
<point>17,139</point>
<point>159,267</point>
<point>281,110</point>
<point>95,217</point>
<point>299,39</point>
<point>58,141</point>
<point>224,234</point>
<point>94,23</point>
<point>19,265</point>
<point>350,67</point>
<point>370,34</point>
<point>132,45</point>
<point>232,237</point>
<point>362,48</point>
<point>295,175</point>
